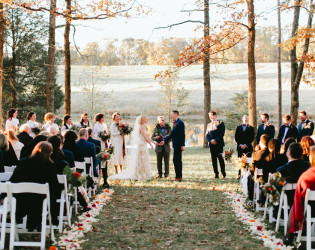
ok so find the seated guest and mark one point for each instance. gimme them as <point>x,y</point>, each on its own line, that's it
<point>67,153</point>
<point>57,155</point>
<point>38,168</point>
<point>70,144</point>
<point>283,151</point>
<point>272,161</point>
<point>97,143</point>
<point>53,131</point>
<point>24,135</point>
<point>306,144</point>
<point>244,136</point>
<point>17,146</point>
<point>28,149</point>
<point>258,161</point>
<point>306,127</point>
<point>265,128</point>
<point>87,148</point>
<point>287,130</point>
<point>294,168</point>
<point>9,156</point>
<point>306,181</point>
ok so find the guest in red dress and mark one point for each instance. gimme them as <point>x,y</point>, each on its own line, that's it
<point>306,180</point>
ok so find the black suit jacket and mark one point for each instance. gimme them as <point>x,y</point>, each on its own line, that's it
<point>270,131</point>
<point>293,170</point>
<point>259,159</point>
<point>177,134</point>
<point>292,132</point>
<point>217,134</point>
<point>305,128</point>
<point>25,138</point>
<point>244,137</point>
<point>97,144</point>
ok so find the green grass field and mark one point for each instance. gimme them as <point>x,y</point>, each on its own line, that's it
<point>193,214</point>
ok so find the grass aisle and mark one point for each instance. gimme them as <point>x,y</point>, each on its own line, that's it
<point>162,214</point>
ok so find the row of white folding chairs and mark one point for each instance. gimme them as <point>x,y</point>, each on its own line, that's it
<point>64,203</point>
<point>9,205</point>
<point>258,173</point>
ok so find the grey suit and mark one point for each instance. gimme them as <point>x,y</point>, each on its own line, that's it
<point>162,151</point>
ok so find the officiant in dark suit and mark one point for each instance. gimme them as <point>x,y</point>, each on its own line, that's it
<point>215,133</point>
<point>265,128</point>
<point>287,130</point>
<point>244,137</point>
<point>306,127</point>
<point>160,131</point>
<point>177,136</point>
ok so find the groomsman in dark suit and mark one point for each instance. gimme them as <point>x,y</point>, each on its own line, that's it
<point>287,130</point>
<point>177,136</point>
<point>306,127</point>
<point>244,136</point>
<point>265,128</point>
<point>215,133</point>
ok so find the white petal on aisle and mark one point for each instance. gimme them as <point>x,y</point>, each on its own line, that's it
<point>256,225</point>
<point>73,238</point>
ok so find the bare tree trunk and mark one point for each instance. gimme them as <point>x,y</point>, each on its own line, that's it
<point>13,69</point>
<point>251,65</point>
<point>67,100</point>
<point>206,72</point>
<point>51,59</point>
<point>294,64</point>
<point>279,68</point>
<point>1,56</point>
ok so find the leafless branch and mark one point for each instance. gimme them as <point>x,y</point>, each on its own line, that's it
<point>180,23</point>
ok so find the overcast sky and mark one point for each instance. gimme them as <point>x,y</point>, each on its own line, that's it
<point>164,12</point>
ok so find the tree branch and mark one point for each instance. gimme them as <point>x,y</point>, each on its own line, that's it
<point>180,23</point>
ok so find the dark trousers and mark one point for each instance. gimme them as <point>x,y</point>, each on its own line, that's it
<point>104,172</point>
<point>177,160</point>
<point>216,153</point>
<point>245,151</point>
<point>160,156</point>
<point>250,187</point>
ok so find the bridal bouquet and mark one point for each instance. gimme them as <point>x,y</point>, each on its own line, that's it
<point>74,179</point>
<point>106,154</point>
<point>273,188</point>
<point>105,136</point>
<point>124,128</point>
<point>227,155</point>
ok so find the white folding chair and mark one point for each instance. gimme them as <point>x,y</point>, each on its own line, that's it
<point>283,205</point>
<point>81,167</point>
<point>310,196</point>
<point>5,176</point>
<point>8,169</point>
<point>89,161</point>
<point>257,174</point>
<point>4,209</point>
<point>64,199</point>
<point>34,188</point>
<point>270,210</point>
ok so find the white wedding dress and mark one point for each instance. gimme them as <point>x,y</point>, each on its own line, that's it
<point>138,167</point>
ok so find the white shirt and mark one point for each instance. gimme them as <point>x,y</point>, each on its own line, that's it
<point>64,128</point>
<point>12,124</point>
<point>265,125</point>
<point>48,125</point>
<point>85,125</point>
<point>286,129</point>
<point>98,128</point>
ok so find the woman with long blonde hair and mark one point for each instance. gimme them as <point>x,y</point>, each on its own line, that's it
<point>16,144</point>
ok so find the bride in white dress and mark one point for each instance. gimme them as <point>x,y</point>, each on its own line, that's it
<point>138,167</point>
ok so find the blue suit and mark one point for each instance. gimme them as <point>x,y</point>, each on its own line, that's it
<point>177,136</point>
<point>88,150</point>
<point>97,144</point>
<point>216,131</point>
<point>305,128</point>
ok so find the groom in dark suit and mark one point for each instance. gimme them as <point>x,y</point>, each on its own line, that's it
<point>215,133</point>
<point>177,136</point>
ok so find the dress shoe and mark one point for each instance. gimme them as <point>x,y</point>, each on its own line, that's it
<point>158,177</point>
<point>179,179</point>
<point>216,177</point>
<point>106,185</point>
